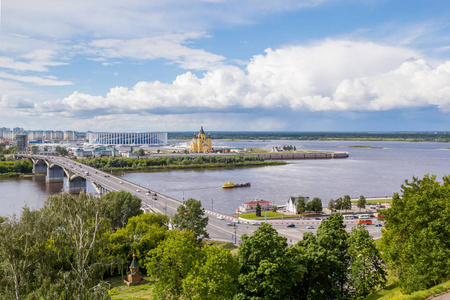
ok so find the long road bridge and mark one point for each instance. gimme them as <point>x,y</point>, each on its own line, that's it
<point>56,168</point>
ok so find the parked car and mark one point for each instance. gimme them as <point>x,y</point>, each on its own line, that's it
<point>291,225</point>
<point>309,227</point>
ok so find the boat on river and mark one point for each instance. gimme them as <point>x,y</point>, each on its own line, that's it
<point>230,185</point>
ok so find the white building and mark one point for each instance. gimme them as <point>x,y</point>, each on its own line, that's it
<point>127,138</point>
<point>291,204</point>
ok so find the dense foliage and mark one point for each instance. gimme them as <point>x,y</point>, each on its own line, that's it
<point>416,242</point>
<point>323,266</point>
<point>179,161</point>
<point>56,252</point>
<point>63,250</point>
<point>19,166</point>
<point>191,216</point>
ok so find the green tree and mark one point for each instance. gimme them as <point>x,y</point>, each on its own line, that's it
<point>76,240</point>
<point>141,152</point>
<point>268,270</point>
<point>34,149</point>
<point>416,241</point>
<point>339,203</point>
<point>361,202</point>
<point>328,261</point>
<point>367,273</point>
<point>122,206</point>
<point>22,253</point>
<point>316,204</point>
<point>142,234</point>
<point>347,202</point>
<point>190,216</point>
<point>22,166</point>
<point>332,204</point>
<point>170,263</point>
<point>45,148</point>
<point>213,276</point>
<point>62,151</point>
<point>301,205</point>
<point>258,210</point>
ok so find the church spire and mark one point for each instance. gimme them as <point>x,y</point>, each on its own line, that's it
<point>201,130</point>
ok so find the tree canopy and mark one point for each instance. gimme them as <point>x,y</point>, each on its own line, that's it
<point>416,241</point>
<point>122,206</point>
<point>190,216</point>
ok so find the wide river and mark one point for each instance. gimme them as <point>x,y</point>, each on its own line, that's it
<point>368,172</point>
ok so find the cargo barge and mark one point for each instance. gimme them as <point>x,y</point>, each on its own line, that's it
<point>230,185</point>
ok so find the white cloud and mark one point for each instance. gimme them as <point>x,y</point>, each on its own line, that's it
<point>45,80</point>
<point>326,76</point>
<point>14,101</point>
<point>168,46</point>
<point>133,18</point>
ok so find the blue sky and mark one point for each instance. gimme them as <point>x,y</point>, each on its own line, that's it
<point>305,65</point>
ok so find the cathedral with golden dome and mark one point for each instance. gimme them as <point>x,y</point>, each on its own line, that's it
<point>201,144</point>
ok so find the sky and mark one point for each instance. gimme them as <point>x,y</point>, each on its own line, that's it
<point>236,65</point>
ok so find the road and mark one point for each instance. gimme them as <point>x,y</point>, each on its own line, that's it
<point>218,229</point>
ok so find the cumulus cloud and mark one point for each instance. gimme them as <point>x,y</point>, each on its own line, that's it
<point>333,75</point>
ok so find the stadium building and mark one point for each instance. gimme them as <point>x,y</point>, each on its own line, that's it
<point>127,138</point>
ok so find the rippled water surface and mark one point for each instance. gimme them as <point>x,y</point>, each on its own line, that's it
<point>368,172</point>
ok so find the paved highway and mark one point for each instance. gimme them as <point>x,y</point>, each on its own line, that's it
<point>218,227</point>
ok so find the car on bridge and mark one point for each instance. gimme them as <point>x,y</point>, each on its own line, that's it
<point>232,224</point>
<point>291,225</point>
<point>220,217</point>
<point>309,227</point>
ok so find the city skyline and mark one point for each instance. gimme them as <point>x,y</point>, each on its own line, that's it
<point>305,65</point>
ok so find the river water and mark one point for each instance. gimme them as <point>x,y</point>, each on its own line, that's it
<point>368,172</point>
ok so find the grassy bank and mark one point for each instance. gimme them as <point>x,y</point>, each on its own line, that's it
<point>120,291</point>
<point>375,200</point>
<point>11,175</point>
<point>392,292</point>
<point>273,215</point>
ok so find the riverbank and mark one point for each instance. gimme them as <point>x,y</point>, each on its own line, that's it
<point>179,162</point>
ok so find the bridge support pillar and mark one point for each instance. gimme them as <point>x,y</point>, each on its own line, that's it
<point>55,174</point>
<point>77,184</point>
<point>40,168</point>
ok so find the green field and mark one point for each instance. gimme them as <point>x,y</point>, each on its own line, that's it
<point>120,291</point>
<point>392,292</point>
<point>271,215</point>
<point>380,200</point>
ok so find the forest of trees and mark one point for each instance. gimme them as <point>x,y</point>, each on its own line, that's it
<point>120,163</point>
<point>66,249</point>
